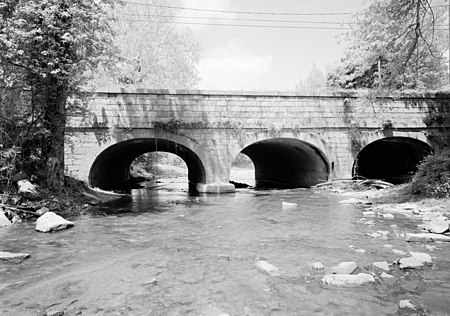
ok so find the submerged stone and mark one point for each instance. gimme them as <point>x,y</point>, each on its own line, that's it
<point>383,265</point>
<point>354,201</point>
<point>287,205</point>
<point>406,304</point>
<point>424,237</point>
<point>399,252</point>
<point>266,267</point>
<point>52,222</point>
<point>318,266</point>
<point>345,268</point>
<point>386,276</point>
<point>347,279</point>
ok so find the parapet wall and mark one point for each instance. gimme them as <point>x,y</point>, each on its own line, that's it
<point>147,109</point>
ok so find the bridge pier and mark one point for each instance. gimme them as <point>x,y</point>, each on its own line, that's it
<point>217,187</point>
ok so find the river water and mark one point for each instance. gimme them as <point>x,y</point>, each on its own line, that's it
<point>165,252</point>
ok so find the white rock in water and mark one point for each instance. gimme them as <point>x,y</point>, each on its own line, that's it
<point>347,279</point>
<point>55,313</point>
<point>399,252</point>
<point>353,201</point>
<point>388,216</point>
<point>430,248</point>
<point>318,266</point>
<point>345,268</point>
<point>427,237</point>
<point>10,256</point>
<point>437,227</point>
<point>385,275</point>
<point>406,304</point>
<point>369,213</point>
<point>379,234</point>
<point>266,267</point>
<point>4,221</point>
<point>51,222</point>
<point>287,205</point>
<point>383,265</point>
<point>410,263</point>
<point>422,257</point>
<point>398,210</point>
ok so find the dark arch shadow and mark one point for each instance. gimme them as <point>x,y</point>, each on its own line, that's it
<point>287,163</point>
<point>392,159</point>
<point>111,169</point>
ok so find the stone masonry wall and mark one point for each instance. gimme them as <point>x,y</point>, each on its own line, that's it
<point>223,123</point>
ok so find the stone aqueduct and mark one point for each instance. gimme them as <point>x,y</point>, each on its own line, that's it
<point>293,140</point>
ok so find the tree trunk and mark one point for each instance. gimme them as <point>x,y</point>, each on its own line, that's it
<point>54,101</point>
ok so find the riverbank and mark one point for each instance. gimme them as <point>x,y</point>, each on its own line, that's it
<point>73,201</point>
<point>379,192</point>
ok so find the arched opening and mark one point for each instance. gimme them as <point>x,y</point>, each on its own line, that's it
<point>157,165</point>
<point>287,163</point>
<point>242,172</point>
<point>111,169</point>
<point>392,159</point>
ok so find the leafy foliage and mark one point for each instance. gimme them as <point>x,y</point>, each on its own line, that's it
<point>401,38</point>
<point>52,40</point>
<point>432,178</point>
<point>152,51</point>
<point>46,48</point>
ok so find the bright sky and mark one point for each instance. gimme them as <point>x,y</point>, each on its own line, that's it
<point>245,58</point>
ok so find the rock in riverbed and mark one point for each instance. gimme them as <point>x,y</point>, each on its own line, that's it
<point>381,265</point>
<point>347,279</point>
<point>266,267</point>
<point>288,205</point>
<point>422,257</point>
<point>27,189</point>
<point>410,263</point>
<point>437,227</point>
<point>421,237</point>
<point>52,222</point>
<point>4,221</point>
<point>317,266</point>
<point>345,268</point>
<point>408,307</point>
<point>13,257</point>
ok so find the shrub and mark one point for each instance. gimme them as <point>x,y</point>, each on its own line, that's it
<point>432,178</point>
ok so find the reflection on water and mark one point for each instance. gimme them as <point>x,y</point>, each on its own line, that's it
<point>162,251</point>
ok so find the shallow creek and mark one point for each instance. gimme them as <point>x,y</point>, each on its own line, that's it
<point>164,252</point>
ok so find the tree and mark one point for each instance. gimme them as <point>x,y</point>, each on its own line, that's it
<point>395,44</point>
<point>316,81</point>
<point>152,51</point>
<point>46,46</point>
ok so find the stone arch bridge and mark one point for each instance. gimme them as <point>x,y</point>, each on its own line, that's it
<point>293,140</point>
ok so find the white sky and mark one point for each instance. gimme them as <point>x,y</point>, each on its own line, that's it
<point>243,58</point>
